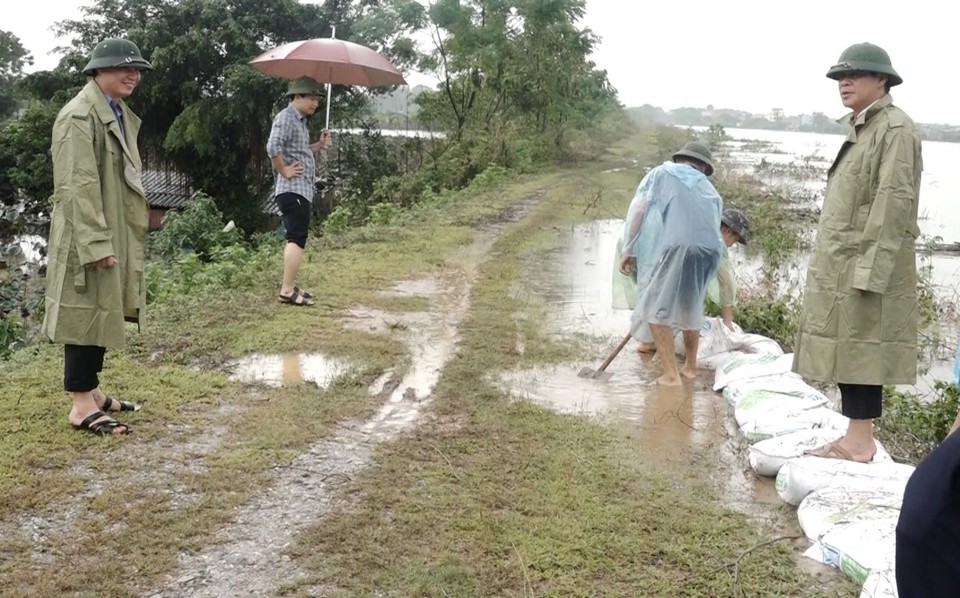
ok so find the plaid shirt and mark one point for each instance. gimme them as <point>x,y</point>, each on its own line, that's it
<point>289,136</point>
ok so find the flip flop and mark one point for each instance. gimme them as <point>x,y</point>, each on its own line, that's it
<point>833,450</point>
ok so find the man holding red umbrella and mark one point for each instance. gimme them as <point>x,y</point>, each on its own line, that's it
<point>294,160</point>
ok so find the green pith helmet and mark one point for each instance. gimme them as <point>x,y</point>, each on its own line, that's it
<point>865,57</point>
<point>697,151</point>
<point>738,222</point>
<point>303,86</point>
<point>116,52</point>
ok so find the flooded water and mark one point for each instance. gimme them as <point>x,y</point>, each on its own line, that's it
<point>799,161</point>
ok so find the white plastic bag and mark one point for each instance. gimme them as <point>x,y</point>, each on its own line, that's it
<point>757,403</point>
<point>714,362</point>
<point>824,509</point>
<point>803,475</point>
<point>880,583</point>
<point>752,366</point>
<point>768,456</point>
<point>790,383</point>
<point>858,548</point>
<point>779,422</point>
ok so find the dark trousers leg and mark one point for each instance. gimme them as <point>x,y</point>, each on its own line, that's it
<point>81,364</point>
<point>861,401</point>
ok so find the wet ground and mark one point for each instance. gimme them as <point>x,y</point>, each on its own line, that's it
<point>676,426</point>
<point>679,424</point>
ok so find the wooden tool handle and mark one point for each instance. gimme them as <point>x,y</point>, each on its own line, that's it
<point>616,351</point>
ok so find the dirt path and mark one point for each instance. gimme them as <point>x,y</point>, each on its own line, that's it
<point>245,558</point>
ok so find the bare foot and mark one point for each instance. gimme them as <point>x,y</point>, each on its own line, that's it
<point>647,348</point>
<point>666,380</point>
<point>687,373</point>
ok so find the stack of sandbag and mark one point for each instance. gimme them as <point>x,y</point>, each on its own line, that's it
<point>774,405</point>
<point>848,510</point>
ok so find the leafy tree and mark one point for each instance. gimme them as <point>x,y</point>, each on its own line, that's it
<point>206,112</point>
<point>13,57</point>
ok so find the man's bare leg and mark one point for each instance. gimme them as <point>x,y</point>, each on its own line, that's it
<point>691,344</point>
<point>663,339</point>
<point>292,256</point>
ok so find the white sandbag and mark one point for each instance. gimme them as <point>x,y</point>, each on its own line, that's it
<point>768,456</point>
<point>756,343</point>
<point>756,404</point>
<point>752,366</point>
<point>824,509</point>
<point>858,548</point>
<point>880,583</point>
<point>790,383</point>
<point>714,362</point>
<point>778,422</point>
<point>803,475</point>
<point>714,339</point>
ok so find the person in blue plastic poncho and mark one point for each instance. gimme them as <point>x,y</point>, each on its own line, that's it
<point>722,290</point>
<point>672,244</point>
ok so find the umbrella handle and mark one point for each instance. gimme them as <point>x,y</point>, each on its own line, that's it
<point>333,35</point>
<point>327,125</point>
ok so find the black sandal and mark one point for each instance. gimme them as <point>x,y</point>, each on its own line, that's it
<point>108,402</point>
<point>103,427</point>
<point>295,298</point>
<point>306,294</point>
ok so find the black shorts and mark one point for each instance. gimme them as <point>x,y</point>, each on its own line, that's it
<point>296,210</point>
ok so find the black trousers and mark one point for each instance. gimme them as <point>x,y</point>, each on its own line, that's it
<point>928,531</point>
<point>861,401</point>
<point>81,364</point>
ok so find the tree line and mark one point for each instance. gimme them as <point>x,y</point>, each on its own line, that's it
<point>516,90</point>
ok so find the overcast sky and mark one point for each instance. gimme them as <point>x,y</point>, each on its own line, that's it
<point>748,54</point>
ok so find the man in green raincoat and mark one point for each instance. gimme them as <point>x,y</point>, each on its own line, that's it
<point>98,228</point>
<point>858,326</point>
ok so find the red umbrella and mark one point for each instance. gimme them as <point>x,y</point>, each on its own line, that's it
<point>330,61</point>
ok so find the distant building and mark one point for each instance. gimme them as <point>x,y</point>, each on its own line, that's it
<point>165,190</point>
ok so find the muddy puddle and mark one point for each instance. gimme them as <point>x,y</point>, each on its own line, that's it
<point>287,369</point>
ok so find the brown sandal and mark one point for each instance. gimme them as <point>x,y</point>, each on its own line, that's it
<point>833,450</point>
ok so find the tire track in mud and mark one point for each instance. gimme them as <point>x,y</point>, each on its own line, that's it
<point>245,558</point>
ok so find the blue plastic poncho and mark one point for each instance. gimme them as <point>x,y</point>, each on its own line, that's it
<point>673,229</point>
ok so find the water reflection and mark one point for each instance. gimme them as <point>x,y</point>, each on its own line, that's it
<point>287,369</point>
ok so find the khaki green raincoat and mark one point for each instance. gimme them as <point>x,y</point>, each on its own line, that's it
<point>99,210</point>
<point>859,318</point>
